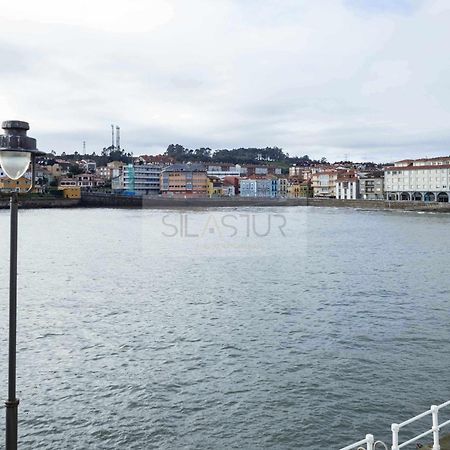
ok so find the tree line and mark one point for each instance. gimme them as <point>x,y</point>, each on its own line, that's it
<point>240,155</point>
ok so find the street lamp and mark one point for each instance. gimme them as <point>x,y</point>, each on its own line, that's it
<point>17,152</point>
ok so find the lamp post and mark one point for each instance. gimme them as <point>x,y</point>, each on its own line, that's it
<point>17,152</point>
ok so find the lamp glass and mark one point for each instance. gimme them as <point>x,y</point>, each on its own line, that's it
<point>14,164</point>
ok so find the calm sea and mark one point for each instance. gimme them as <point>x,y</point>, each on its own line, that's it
<point>215,329</point>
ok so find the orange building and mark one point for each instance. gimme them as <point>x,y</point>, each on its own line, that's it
<point>181,180</point>
<point>8,185</point>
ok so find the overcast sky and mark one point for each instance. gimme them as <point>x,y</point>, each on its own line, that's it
<point>357,79</point>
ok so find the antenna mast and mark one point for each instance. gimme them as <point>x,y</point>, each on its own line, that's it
<point>118,137</point>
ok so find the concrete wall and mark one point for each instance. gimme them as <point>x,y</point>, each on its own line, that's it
<point>118,201</point>
<point>41,202</point>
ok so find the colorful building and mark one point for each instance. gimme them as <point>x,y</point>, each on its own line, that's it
<point>184,180</point>
<point>215,185</point>
<point>8,185</point>
<point>299,189</point>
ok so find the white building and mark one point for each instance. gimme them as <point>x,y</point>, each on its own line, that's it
<point>218,171</point>
<point>263,187</point>
<point>347,188</point>
<point>250,187</point>
<point>139,179</point>
<point>425,179</point>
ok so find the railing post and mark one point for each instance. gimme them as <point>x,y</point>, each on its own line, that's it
<point>435,416</point>
<point>370,440</point>
<point>395,429</point>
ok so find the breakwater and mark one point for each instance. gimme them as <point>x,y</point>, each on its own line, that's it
<point>99,200</point>
<point>153,202</point>
<point>35,202</point>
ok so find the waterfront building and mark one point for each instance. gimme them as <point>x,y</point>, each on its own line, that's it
<point>347,187</point>
<point>71,192</point>
<point>248,187</point>
<point>426,179</point>
<point>214,186</point>
<point>371,187</point>
<point>282,187</point>
<point>258,187</point>
<point>324,183</point>
<point>299,189</point>
<point>139,179</point>
<point>229,186</point>
<point>184,180</point>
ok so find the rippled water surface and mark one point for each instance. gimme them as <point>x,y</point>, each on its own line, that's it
<point>253,328</point>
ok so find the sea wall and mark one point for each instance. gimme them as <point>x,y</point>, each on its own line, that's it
<point>99,200</point>
<point>154,202</point>
<point>41,202</point>
<point>381,204</point>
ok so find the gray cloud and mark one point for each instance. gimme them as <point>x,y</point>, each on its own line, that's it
<point>327,78</point>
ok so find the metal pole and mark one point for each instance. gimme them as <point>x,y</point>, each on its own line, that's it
<point>12,403</point>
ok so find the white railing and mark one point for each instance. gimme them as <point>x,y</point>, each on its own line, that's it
<point>396,427</point>
<point>359,445</point>
<point>435,428</point>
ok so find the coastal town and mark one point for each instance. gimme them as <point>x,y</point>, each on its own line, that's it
<point>420,180</point>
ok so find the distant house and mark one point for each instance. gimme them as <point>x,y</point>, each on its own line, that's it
<point>20,185</point>
<point>224,170</point>
<point>88,166</point>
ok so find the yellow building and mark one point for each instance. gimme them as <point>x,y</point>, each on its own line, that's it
<point>214,186</point>
<point>21,185</point>
<point>298,189</point>
<point>71,192</point>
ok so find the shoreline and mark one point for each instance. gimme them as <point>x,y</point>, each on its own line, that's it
<point>114,201</point>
